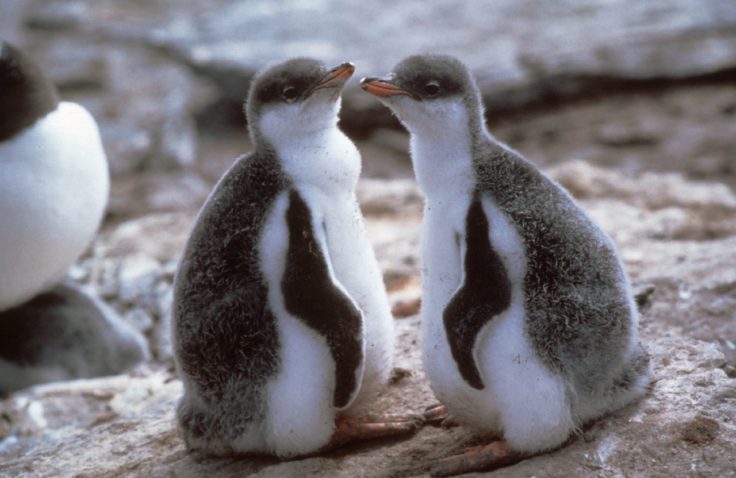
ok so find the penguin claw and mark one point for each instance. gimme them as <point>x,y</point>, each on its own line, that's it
<point>436,414</point>
<point>353,429</point>
<point>495,455</point>
<point>389,418</point>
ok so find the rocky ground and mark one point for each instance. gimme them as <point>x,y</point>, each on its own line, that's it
<point>654,162</point>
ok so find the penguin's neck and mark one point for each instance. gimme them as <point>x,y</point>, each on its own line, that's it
<point>442,154</point>
<point>324,158</point>
<point>312,150</point>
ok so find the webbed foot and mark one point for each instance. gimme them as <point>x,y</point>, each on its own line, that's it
<point>495,455</point>
<point>351,429</point>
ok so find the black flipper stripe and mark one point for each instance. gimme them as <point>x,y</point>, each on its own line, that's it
<point>485,293</point>
<point>311,296</point>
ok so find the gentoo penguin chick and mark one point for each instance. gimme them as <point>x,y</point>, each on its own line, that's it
<point>62,334</point>
<point>281,319</point>
<point>53,192</point>
<point>529,327</point>
<point>54,180</point>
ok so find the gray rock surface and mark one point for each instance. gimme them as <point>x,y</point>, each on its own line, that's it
<point>144,103</point>
<point>675,234</point>
<point>149,70</point>
<point>685,426</point>
<point>160,75</point>
<point>529,49</point>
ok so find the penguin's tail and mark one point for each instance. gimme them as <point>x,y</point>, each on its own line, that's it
<point>633,382</point>
<point>199,429</point>
<point>635,379</point>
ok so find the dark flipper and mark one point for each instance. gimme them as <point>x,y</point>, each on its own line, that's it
<point>485,293</point>
<point>311,296</point>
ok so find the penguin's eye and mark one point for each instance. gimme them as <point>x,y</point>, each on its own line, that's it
<point>289,94</point>
<point>432,88</point>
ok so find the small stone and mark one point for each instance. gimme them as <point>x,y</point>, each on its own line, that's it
<point>398,374</point>
<point>395,279</point>
<point>100,394</point>
<point>730,370</point>
<point>620,135</point>
<point>406,308</point>
<point>394,197</point>
<point>103,418</point>
<point>137,276</point>
<point>701,429</point>
<point>140,319</point>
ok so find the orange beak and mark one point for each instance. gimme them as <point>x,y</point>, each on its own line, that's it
<point>334,78</point>
<point>379,87</point>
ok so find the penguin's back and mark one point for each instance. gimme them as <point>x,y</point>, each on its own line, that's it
<point>64,334</point>
<point>225,334</point>
<point>579,314</point>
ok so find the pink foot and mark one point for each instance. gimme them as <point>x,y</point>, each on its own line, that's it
<point>353,429</point>
<point>497,454</point>
<point>439,416</point>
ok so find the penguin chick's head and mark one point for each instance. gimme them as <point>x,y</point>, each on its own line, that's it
<point>427,90</point>
<point>296,97</point>
<point>26,94</point>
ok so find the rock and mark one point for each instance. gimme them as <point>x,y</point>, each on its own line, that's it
<point>136,275</point>
<point>133,268</point>
<point>146,119</point>
<point>56,429</point>
<point>144,103</point>
<point>696,286</point>
<point>400,197</point>
<point>647,190</point>
<point>159,236</point>
<point>160,76</point>
<point>643,296</point>
<point>396,242</point>
<point>406,308</point>
<point>524,60</point>
<point>138,195</point>
<point>662,206</point>
<point>675,234</point>
<point>617,135</point>
<point>518,59</point>
<point>728,347</point>
<point>393,211</point>
<point>701,429</point>
<point>685,423</point>
<point>398,374</point>
<point>690,134</point>
<point>382,155</point>
<point>391,140</point>
<point>193,62</point>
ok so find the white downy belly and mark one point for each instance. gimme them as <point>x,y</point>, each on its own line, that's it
<point>54,187</point>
